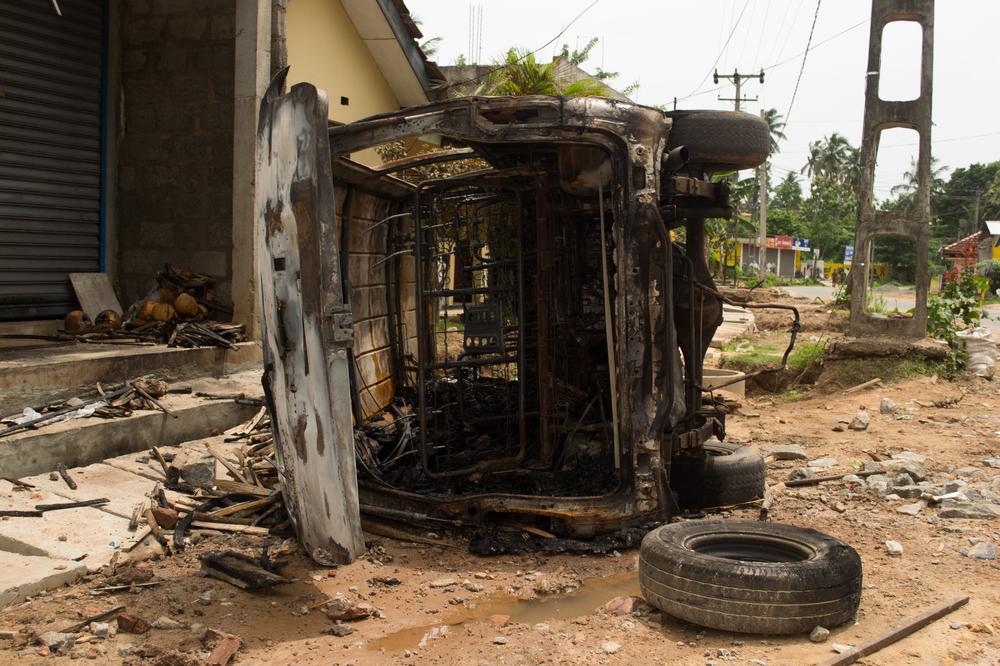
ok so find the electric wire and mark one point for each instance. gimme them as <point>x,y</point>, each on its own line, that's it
<point>718,57</point>
<point>805,54</point>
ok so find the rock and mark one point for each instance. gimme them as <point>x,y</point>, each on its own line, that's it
<point>125,650</point>
<point>852,480</point>
<point>824,463</point>
<point>839,507</point>
<point>956,625</point>
<point>892,497</point>
<point>500,640</point>
<point>626,605</point>
<point>57,641</point>
<point>887,406</point>
<point>981,551</point>
<point>955,486</point>
<point>206,598</point>
<point>969,472</point>
<point>785,451</point>
<point>132,624</point>
<point>878,483</point>
<point>100,629</point>
<point>914,469</point>
<point>443,582</point>
<point>819,634</point>
<point>339,609</point>
<point>992,462</point>
<point>164,622</point>
<point>472,587</point>
<point>610,647</point>
<point>894,548</point>
<point>911,509</point>
<point>800,473</point>
<point>193,466</point>
<point>840,648</point>
<point>860,421</point>
<point>340,630</point>
<point>874,466</point>
<point>912,456</point>
<point>908,491</point>
<point>955,508</point>
<point>198,629</point>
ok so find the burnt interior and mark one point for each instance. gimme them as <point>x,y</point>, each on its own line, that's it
<point>507,388</point>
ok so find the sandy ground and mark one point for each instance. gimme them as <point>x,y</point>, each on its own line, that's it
<point>451,607</point>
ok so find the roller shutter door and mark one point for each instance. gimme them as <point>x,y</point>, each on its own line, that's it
<point>50,152</point>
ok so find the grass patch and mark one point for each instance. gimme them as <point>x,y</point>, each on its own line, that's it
<point>793,394</point>
<point>851,372</point>
<point>757,356</point>
<point>444,324</point>
<point>806,354</point>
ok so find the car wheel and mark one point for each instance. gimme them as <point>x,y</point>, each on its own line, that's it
<point>717,474</point>
<point>721,140</point>
<point>750,577</point>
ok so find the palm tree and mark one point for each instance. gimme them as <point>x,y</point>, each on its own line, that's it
<point>833,158</point>
<point>911,179</point>
<point>775,126</point>
<point>520,74</point>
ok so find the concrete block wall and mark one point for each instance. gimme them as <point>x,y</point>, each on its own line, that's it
<point>175,154</point>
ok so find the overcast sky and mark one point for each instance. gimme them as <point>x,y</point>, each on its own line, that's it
<point>669,47</point>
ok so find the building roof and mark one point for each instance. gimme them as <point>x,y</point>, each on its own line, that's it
<point>962,245</point>
<point>391,35</point>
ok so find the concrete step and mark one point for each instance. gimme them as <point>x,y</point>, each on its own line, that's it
<point>85,441</point>
<point>22,576</point>
<point>43,553</point>
<point>35,377</point>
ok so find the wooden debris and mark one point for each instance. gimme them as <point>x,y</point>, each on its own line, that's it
<point>11,513</point>
<point>61,468</point>
<point>138,512</point>
<point>226,646</point>
<point>862,386</point>
<point>239,570</point>
<point>816,480</point>
<point>132,624</point>
<point>771,493</point>
<point>71,505</point>
<point>118,588</point>
<point>897,633</point>
<point>165,518</point>
<point>154,527</point>
<point>17,482</point>
<point>230,527</point>
<point>100,617</point>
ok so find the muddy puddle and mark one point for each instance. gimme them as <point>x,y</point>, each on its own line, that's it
<point>590,596</point>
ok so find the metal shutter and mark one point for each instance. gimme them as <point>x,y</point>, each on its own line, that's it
<point>50,152</point>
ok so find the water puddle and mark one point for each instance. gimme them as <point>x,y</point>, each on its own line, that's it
<point>591,595</point>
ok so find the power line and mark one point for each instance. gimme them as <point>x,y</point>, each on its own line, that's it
<point>805,55</point>
<point>718,57</point>
<point>760,42</point>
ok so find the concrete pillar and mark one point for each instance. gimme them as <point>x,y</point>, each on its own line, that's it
<point>252,74</point>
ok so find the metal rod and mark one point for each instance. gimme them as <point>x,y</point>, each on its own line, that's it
<point>609,329</point>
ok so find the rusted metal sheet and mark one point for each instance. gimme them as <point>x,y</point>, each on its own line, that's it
<point>305,333</point>
<point>913,223</point>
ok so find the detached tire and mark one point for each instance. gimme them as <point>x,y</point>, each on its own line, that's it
<point>750,577</point>
<point>721,140</point>
<point>718,475</point>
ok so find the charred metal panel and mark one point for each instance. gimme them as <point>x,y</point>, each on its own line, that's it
<point>306,329</point>
<point>914,223</point>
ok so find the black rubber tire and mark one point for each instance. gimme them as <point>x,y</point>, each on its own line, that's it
<point>718,475</point>
<point>721,140</point>
<point>758,595</point>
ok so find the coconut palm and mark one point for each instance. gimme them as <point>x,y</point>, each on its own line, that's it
<point>911,179</point>
<point>775,126</point>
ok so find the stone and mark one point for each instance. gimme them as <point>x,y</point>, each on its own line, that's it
<point>910,491</point>
<point>100,629</point>
<point>992,462</point>
<point>824,463</point>
<point>819,634</point>
<point>500,640</point>
<point>125,650</point>
<point>970,472</point>
<point>878,484</point>
<point>912,456</point>
<point>443,582</point>
<point>894,548</point>
<point>852,480</point>
<point>198,629</point>
<point>623,605</point>
<point>956,625</point>
<point>340,630</point>
<point>860,421</point>
<point>800,473</point>
<point>610,647</point>
<point>911,509</point>
<point>873,466</point>
<point>981,551</point>
<point>955,508</point>
<point>955,486</point>
<point>165,623</point>
<point>193,466</point>
<point>840,648</point>
<point>887,406</point>
<point>57,641</point>
<point>206,598</point>
<point>785,451</point>
<point>472,587</point>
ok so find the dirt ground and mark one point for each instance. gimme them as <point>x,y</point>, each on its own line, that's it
<point>451,607</point>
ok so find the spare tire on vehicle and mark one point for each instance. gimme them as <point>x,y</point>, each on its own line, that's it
<point>750,577</point>
<point>721,140</point>
<point>717,474</point>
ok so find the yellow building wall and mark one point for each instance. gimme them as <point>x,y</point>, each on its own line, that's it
<point>325,50</point>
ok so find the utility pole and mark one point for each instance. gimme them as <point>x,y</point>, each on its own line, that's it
<point>975,223</point>
<point>738,80</point>
<point>762,188</point>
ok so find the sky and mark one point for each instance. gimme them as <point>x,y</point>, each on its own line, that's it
<point>671,48</point>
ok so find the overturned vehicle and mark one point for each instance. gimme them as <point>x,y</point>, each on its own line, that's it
<point>506,330</point>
